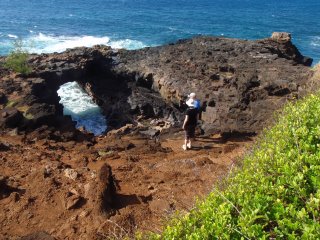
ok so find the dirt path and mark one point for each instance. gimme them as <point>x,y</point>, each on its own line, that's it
<point>45,184</point>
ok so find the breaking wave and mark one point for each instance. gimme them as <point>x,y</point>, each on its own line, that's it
<point>42,43</point>
<point>79,105</point>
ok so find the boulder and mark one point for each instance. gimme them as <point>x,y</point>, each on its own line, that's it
<point>4,147</point>
<point>9,188</point>
<point>151,133</point>
<point>72,201</point>
<point>281,37</point>
<point>41,113</point>
<point>10,118</point>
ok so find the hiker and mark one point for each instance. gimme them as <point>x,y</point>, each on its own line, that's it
<point>199,108</point>
<point>190,121</point>
<point>197,103</point>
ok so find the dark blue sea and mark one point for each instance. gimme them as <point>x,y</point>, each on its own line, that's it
<point>47,26</point>
<point>54,25</point>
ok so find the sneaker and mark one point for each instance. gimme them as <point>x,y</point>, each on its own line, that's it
<point>184,147</point>
<point>188,145</point>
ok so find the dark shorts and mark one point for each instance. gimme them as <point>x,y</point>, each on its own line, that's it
<point>189,131</point>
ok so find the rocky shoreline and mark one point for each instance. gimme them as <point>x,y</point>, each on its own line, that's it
<point>239,82</point>
<point>66,182</point>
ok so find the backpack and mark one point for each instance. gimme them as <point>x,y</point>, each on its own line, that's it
<point>197,104</point>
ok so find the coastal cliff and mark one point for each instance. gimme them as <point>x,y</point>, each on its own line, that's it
<point>240,83</point>
<point>66,182</point>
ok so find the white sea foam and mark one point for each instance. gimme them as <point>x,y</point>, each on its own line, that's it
<point>12,36</point>
<point>315,42</point>
<point>172,29</point>
<point>127,44</point>
<point>81,108</point>
<point>42,43</point>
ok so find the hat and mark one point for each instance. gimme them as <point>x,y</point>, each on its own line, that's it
<point>190,102</point>
<point>192,95</point>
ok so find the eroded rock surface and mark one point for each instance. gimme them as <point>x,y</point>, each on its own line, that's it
<point>239,82</point>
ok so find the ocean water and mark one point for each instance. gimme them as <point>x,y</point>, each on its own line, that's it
<point>81,108</point>
<point>54,25</point>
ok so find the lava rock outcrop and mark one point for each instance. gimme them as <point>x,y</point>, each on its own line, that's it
<point>239,82</point>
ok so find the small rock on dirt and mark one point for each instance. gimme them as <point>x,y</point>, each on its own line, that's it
<point>71,173</point>
<point>72,201</point>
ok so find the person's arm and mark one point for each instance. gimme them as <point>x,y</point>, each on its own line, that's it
<point>185,122</point>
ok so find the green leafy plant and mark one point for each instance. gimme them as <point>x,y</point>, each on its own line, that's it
<point>17,60</point>
<point>275,194</point>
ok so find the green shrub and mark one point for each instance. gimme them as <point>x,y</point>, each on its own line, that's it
<point>17,60</point>
<point>275,194</point>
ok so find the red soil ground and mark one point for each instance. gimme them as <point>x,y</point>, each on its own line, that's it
<point>154,180</point>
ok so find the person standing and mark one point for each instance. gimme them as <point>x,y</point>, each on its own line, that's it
<point>190,122</point>
<point>197,103</point>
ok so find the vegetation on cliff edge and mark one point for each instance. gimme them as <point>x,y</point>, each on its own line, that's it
<point>17,60</point>
<point>275,194</point>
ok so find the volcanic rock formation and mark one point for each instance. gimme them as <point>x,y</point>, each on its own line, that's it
<point>239,82</point>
